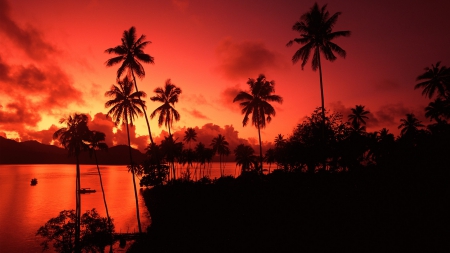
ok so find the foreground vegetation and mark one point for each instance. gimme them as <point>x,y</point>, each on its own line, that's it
<point>370,211</point>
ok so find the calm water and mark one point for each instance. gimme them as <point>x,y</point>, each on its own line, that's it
<point>25,208</point>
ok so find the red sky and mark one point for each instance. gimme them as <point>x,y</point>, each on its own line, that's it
<point>52,61</point>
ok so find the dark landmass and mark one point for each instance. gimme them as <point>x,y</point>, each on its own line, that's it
<point>296,212</point>
<point>33,152</point>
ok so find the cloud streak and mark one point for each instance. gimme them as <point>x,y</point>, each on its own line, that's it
<point>29,39</point>
<point>245,59</point>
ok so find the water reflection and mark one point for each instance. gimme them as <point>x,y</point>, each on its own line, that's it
<point>25,208</point>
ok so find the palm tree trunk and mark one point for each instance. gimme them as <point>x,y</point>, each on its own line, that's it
<point>134,181</point>
<point>104,198</point>
<point>260,149</point>
<point>321,86</point>
<point>143,108</point>
<point>323,105</point>
<point>78,208</point>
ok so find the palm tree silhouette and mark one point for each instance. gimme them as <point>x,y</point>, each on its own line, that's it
<point>168,96</point>
<point>358,115</point>
<point>172,150</point>
<point>96,142</point>
<point>220,146</point>
<point>244,157</point>
<point>438,110</point>
<point>316,34</point>
<point>73,138</point>
<point>257,103</point>
<point>435,79</point>
<point>190,135</point>
<point>280,141</point>
<point>410,125</point>
<point>130,53</point>
<point>125,106</point>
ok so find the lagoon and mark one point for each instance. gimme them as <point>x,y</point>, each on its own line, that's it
<point>25,208</point>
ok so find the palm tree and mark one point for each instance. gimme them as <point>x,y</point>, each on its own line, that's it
<point>316,34</point>
<point>244,157</point>
<point>410,125</point>
<point>438,110</point>
<point>125,106</point>
<point>168,96</point>
<point>96,142</point>
<point>200,156</point>
<point>220,146</point>
<point>257,103</point>
<point>435,79</point>
<point>190,135</point>
<point>130,53</point>
<point>73,138</point>
<point>358,115</point>
<point>172,150</point>
<point>279,141</point>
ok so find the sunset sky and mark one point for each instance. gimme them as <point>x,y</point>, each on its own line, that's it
<point>52,62</point>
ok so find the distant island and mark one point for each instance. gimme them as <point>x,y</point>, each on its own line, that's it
<point>34,152</point>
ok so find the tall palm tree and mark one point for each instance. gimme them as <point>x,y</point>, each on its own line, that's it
<point>125,106</point>
<point>190,135</point>
<point>220,146</point>
<point>200,155</point>
<point>131,53</point>
<point>358,115</point>
<point>257,103</point>
<point>96,142</point>
<point>73,138</point>
<point>435,79</point>
<point>168,95</point>
<point>410,125</point>
<point>316,36</point>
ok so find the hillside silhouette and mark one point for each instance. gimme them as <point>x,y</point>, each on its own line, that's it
<point>33,152</point>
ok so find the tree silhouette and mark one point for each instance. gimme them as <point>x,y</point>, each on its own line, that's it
<point>257,103</point>
<point>190,135</point>
<point>130,53</point>
<point>220,146</point>
<point>410,125</point>
<point>358,116</point>
<point>96,142</point>
<point>244,157</point>
<point>168,95</point>
<point>73,138</point>
<point>316,35</point>
<point>125,106</point>
<point>171,150</point>
<point>438,110</point>
<point>435,79</point>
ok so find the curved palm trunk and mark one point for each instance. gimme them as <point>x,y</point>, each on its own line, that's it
<point>134,182</point>
<point>323,104</point>
<point>78,208</point>
<point>143,109</point>
<point>260,150</point>
<point>104,197</point>
<point>321,87</point>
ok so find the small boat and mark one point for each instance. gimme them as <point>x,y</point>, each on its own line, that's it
<point>34,181</point>
<point>86,190</point>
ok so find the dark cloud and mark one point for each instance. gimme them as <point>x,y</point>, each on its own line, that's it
<point>196,114</point>
<point>44,136</point>
<point>15,116</point>
<point>387,85</point>
<point>245,59</point>
<point>28,38</point>
<point>48,88</point>
<point>227,96</point>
